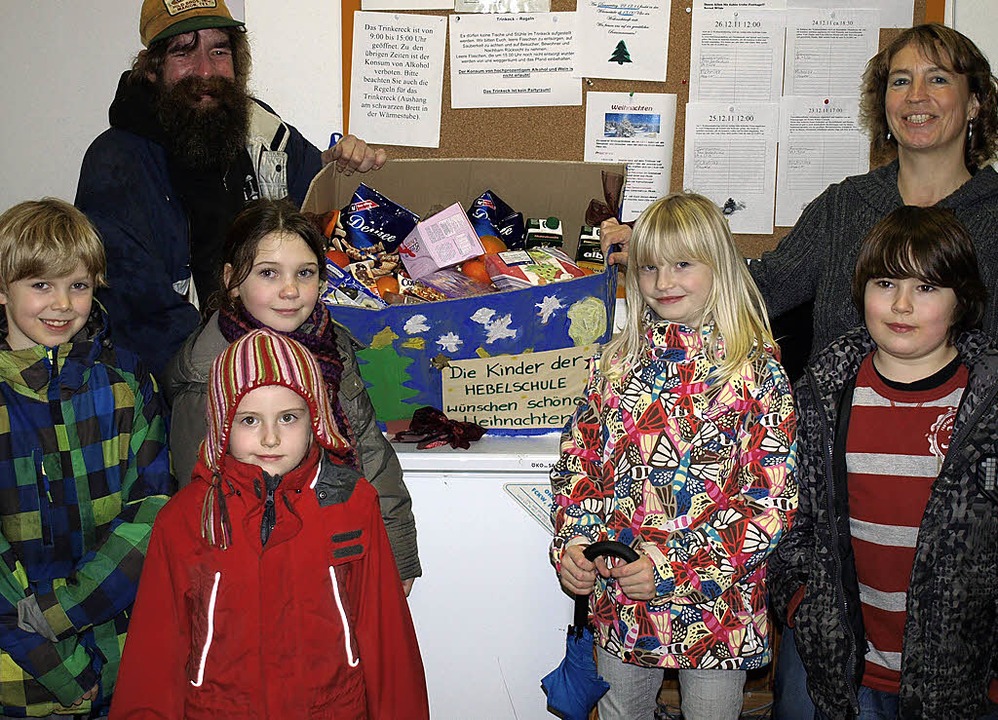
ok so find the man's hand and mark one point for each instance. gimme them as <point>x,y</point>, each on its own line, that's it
<point>612,232</point>
<point>637,579</point>
<point>353,154</point>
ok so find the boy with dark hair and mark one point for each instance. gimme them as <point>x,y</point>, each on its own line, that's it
<point>84,468</point>
<point>888,576</point>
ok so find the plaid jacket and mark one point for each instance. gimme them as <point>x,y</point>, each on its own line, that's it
<point>84,468</point>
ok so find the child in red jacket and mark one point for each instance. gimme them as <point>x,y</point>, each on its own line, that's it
<point>269,589</point>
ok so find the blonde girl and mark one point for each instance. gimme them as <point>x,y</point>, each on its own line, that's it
<point>683,449</point>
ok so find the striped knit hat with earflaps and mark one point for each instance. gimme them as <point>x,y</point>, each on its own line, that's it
<point>258,358</point>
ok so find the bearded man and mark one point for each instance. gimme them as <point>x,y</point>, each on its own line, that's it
<point>187,148</point>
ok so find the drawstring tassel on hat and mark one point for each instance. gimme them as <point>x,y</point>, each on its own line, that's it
<point>208,519</point>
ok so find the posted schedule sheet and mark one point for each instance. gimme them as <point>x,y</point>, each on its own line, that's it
<point>821,143</point>
<point>827,50</point>
<point>731,158</point>
<point>736,54</point>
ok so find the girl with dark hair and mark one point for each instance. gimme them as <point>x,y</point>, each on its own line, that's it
<point>272,269</point>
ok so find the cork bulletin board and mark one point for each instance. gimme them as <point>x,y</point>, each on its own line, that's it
<point>558,133</point>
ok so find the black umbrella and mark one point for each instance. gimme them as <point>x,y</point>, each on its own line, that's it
<point>574,687</point>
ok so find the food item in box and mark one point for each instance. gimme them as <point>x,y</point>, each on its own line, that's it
<point>372,220</point>
<point>441,241</point>
<point>520,269</point>
<point>418,290</point>
<point>454,284</point>
<point>543,232</point>
<point>590,253</point>
<point>343,289</point>
<point>489,215</point>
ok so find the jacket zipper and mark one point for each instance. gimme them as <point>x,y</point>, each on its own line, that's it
<point>833,530</point>
<point>44,487</point>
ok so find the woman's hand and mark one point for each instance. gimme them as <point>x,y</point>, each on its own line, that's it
<point>353,154</point>
<point>578,575</point>
<point>637,579</point>
<point>612,232</point>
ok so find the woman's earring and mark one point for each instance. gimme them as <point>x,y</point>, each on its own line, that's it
<point>970,130</point>
<point>888,138</point>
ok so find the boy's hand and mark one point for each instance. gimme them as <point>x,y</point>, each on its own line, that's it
<point>636,579</point>
<point>88,695</point>
<point>407,586</point>
<point>577,575</point>
<point>353,154</point>
<point>612,232</point>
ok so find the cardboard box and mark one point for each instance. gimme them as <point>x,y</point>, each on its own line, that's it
<point>410,346</point>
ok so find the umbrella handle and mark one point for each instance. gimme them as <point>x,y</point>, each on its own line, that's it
<point>612,548</point>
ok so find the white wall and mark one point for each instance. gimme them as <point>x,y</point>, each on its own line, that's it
<point>60,61</point>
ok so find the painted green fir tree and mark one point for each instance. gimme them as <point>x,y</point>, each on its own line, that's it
<point>384,371</point>
<point>620,54</point>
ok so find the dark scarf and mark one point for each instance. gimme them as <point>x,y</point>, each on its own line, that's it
<point>318,334</point>
<point>212,197</point>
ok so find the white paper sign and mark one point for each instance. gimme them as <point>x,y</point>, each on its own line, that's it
<point>736,55</point>
<point>513,60</point>
<point>637,129</point>
<point>827,50</point>
<point>893,13</point>
<point>821,143</point>
<point>398,71</point>
<point>624,40</point>
<point>731,158</point>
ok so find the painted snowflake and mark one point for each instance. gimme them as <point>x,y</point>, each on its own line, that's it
<point>547,307</point>
<point>483,316</point>
<point>450,342</point>
<point>499,329</point>
<point>416,324</point>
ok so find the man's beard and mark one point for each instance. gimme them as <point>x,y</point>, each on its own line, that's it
<point>204,136</point>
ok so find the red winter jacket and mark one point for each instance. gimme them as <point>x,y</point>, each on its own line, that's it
<point>313,625</point>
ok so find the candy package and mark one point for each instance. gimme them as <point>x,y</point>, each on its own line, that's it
<point>489,215</point>
<point>372,220</point>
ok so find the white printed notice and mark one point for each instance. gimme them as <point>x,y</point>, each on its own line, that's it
<point>637,129</point>
<point>821,143</point>
<point>398,72</point>
<point>623,39</point>
<point>731,158</point>
<point>530,390</point>
<point>827,50</point>
<point>514,60</point>
<point>893,13</point>
<point>736,55</point>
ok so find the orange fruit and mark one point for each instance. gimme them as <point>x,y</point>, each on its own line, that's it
<point>475,269</point>
<point>492,244</point>
<point>330,218</point>
<point>387,284</point>
<point>339,257</point>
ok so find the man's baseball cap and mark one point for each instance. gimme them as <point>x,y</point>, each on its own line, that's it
<point>165,18</point>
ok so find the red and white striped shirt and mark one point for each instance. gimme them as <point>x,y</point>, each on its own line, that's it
<point>895,446</point>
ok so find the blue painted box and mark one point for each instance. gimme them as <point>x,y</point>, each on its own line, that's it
<point>409,344</point>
